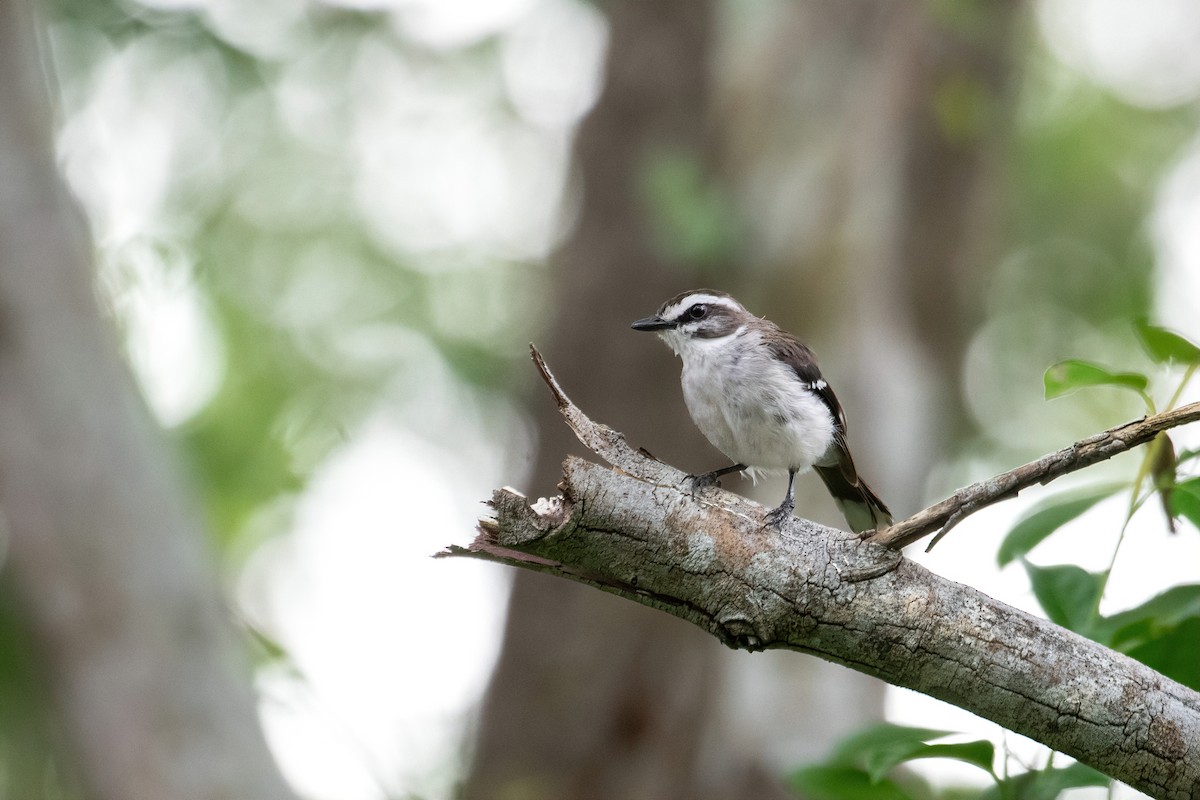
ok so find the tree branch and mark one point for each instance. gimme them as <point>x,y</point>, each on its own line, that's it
<point>636,532</point>
<point>1084,453</point>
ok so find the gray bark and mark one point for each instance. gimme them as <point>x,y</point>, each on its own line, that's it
<point>105,555</point>
<point>634,531</point>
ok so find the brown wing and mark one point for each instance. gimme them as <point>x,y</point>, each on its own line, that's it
<point>803,361</point>
<point>859,504</point>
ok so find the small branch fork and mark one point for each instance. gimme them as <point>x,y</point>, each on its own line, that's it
<point>639,530</point>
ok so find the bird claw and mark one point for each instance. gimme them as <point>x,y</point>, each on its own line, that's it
<point>777,516</point>
<point>704,481</point>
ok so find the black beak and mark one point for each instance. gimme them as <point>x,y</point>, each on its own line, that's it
<point>655,323</point>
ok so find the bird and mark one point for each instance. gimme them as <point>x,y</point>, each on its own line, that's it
<point>755,392</point>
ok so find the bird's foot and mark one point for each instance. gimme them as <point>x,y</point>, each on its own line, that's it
<point>777,516</point>
<point>704,481</point>
<point>707,479</point>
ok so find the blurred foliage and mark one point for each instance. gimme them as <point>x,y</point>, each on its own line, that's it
<point>869,766</point>
<point>1081,198</point>
<point>320,302</point>
<point>964,109</point>
<point>1161,632</point>
<point>274,165</point>
<point>694,221</point>
<point>1081,178</point>
<point>28,733</point>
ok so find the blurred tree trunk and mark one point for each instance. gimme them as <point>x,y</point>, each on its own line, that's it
<point>863,142</point>
<point>593,697</point>
<point>856,212</point>
<point>866,144</point>
<point>105,557</point>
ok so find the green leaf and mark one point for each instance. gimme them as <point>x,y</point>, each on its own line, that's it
<point>857,748</point>
<point>981,753</point>
<point>1047,517</point>
<point>1067,593</point>
<point>1173,653</point>
<point>857,769</point>
<point>877,750</point>
<point>1185,501</point>
<point>833,782</point>
<point>1150,631</point>
<point>1165,346</point>
<point>1161,633</point>
<point>1164,610</point>
<point>1067,376</point>
<point>1047,784</point>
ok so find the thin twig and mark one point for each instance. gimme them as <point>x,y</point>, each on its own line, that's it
<point>602,440</point>
<point>1082,454</point>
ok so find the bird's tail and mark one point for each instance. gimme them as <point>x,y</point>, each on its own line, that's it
<point>863,509</point>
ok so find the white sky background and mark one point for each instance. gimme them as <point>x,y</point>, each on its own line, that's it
<point>395,648</point>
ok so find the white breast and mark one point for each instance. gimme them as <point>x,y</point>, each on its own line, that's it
<point>750,406</point>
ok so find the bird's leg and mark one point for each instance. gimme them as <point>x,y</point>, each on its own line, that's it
<point>710,478</point>
<point>778,515</point>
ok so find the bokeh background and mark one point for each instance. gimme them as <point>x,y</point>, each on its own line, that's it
<point>327,232</point>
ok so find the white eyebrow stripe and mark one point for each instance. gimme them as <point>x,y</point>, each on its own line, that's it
<point>692,299</point>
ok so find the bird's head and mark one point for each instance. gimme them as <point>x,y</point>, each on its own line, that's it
<point>690,318</point>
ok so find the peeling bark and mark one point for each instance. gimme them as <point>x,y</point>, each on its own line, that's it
<point>635,530</point>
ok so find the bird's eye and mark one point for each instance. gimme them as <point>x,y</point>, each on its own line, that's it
<point>698,311</point>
